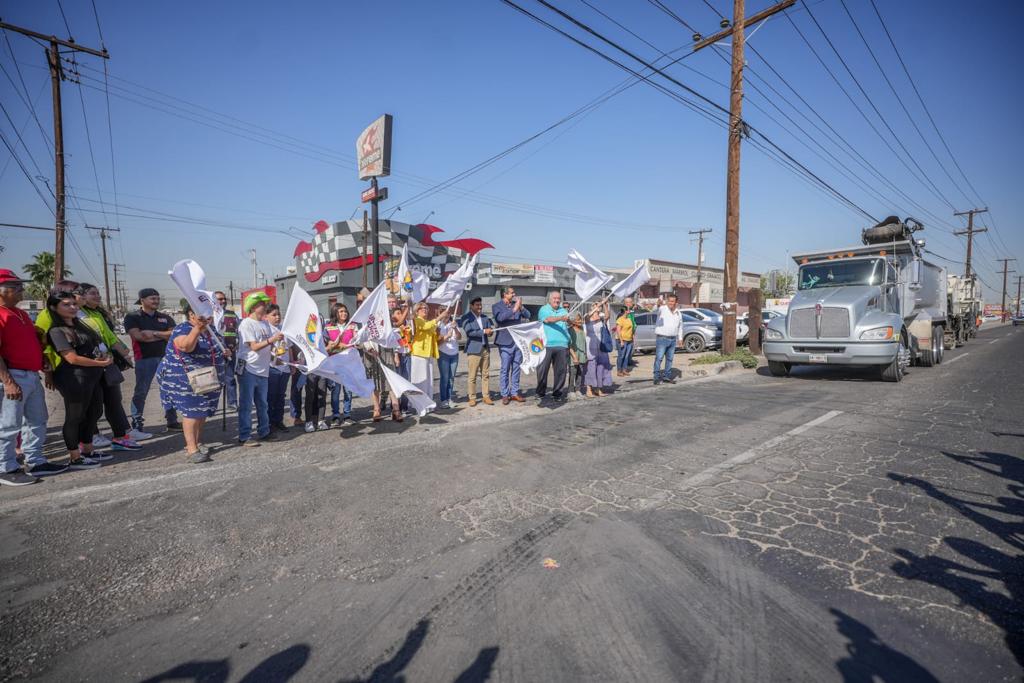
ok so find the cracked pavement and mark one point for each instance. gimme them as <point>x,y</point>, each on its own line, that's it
<point>820,527</point>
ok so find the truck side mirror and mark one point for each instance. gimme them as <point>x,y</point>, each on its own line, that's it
<point>915,274</point>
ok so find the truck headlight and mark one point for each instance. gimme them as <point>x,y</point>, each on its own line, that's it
<point>772,334</point>
<point>877,334</point>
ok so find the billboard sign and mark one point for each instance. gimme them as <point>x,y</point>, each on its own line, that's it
<point>511,270</point>
<point>373,149</point>
<point>544,274</point>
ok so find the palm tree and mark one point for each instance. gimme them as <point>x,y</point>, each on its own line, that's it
<point>40,273</point>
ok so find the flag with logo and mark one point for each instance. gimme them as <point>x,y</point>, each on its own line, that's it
<point>400,386</point>
<point>190,278</point>
<point>452,289</point>
<point>374,317</point>
<point>529,339</point>
<point>634,281</point>
<point>589,278</point>
<point>412,284</point>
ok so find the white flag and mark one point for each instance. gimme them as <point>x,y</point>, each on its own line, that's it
<point>302,327</point>
<point>374,317</point>
<point>346,368</point>
<point>412,284</point>
<point>589,279</point>
<point>452,289</point>
<point>529,339</point>
<point>191,280</point>
<point>400,386</point>
<point>634,281</point>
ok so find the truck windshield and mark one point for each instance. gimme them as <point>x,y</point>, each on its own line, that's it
<point>842,274</point>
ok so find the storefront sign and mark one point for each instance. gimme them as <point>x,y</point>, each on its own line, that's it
<point>373,149</point>
<point>544,274</point>
<point>511,270</point>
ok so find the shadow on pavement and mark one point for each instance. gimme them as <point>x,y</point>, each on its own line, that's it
<point>828,373</point>
<point>277,668</point>
<point>976,582</point>
<point>391,670</point>
<point>869,659</point>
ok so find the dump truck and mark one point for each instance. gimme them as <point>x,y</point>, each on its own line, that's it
<point>963,308</point>
<point>879,304</point>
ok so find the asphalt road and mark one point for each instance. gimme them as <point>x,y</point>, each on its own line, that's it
<point>820,527</point>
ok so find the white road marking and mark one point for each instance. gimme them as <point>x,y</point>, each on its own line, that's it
<point>748,455</point>
<point>994,340</point>
<point>953,360</point>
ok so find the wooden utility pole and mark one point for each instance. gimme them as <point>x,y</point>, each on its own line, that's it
<point>231,292</point>
<point>1006,264</point>
<point>970,232</point>
<point>700,256</point>
<point>104,236</point>
<point>56,76</point>
<point>120,293</point>
<point>1020,278</point>
<point>736,131</point>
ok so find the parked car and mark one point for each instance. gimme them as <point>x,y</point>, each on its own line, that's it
<point>698,335</point>
<point>766,317</point>
<point>707,315</point>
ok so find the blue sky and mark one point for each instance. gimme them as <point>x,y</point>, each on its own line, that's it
<point>465,79</point>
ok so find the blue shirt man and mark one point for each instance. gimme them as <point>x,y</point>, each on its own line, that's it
<point>507,312</point>
<point>556,340</point>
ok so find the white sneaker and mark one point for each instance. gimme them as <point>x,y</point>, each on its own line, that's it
<point>100,441</point>
<point>310,427</point>
<point>137,435</point>
<point>322,426</point>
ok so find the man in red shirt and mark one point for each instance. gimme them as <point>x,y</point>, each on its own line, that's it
<point>23,404</point>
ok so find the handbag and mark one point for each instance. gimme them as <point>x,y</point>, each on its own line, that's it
<point>201,380</point>
<point>606,340</point>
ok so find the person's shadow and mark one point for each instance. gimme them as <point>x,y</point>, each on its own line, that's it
<point>277,668</point>
<point>869,659</point>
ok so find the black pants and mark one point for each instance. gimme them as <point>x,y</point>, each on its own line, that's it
<point>560,358</point>
<point>82,391</point>
<point>316,398</point>
<point>113,409</point>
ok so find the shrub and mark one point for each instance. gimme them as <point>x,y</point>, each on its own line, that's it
<point>743,355</point>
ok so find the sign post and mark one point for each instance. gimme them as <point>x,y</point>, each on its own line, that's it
<point>373,150</point>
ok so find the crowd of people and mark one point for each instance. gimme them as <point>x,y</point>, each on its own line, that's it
<point>72,348</point>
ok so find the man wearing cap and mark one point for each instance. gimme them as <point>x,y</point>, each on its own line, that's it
<point>22,403</point>
<point>228,329</point>
<point>256,340</point>
<point>149,329</point>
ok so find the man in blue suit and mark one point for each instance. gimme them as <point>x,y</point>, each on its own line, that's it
<point>478,327</point>
<point>507,312</point>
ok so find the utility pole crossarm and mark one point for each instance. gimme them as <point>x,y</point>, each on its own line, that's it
<point>70,44</point>
<point>749,21</point>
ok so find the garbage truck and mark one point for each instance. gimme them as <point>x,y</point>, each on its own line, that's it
<point>879,304</point>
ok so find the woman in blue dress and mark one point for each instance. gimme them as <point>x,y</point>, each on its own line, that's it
<point>191,346</point>
<point>599,366</point>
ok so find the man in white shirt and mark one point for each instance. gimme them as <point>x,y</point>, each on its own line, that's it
<point>256,339</point>
<point>668,332</point>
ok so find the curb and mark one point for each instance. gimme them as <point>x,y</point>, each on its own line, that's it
<point>711,370</point>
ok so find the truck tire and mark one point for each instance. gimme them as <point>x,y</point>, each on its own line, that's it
<point>934,356</point>
<point>893,372</point>
<point>693,343</point>
<point>778,368</point>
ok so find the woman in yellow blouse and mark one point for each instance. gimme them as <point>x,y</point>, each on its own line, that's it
<point>424,348</point>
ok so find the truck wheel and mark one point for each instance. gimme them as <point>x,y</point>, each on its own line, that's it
<point>693,343</point>
<point>893,372</point>
<point>778,368</point>
<point>934,356</point>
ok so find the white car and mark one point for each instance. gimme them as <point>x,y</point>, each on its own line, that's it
<point>706,314</point>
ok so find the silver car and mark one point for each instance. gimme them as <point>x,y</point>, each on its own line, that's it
<point>698,335</point>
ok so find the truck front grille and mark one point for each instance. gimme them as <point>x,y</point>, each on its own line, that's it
<point>835,323</point>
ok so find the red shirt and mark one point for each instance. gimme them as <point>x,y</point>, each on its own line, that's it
<point>19,343</point>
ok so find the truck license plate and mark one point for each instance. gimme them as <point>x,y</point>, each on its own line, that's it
<point>818,358</point>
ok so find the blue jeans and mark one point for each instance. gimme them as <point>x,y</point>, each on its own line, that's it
<point>298,381</point>
<point>508,378</point>
<point>625,355</point>
<point>145,371</point>
<point>277,385</point>
<point>252,388</point>
<point>665,349</point>
<point>338,391</point>
<point>405,370</point>
<point>27,417</point>
<point>447,365</point>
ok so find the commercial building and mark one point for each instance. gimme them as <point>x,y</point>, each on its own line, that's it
<point>681,279</point>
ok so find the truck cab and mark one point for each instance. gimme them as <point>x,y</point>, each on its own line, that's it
<point>879,304</point>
